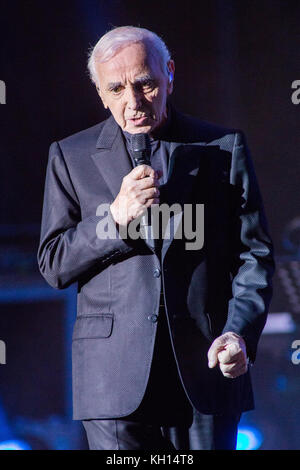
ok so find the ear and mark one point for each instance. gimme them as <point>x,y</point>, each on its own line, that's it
<point>171,72</point>
<point>101,97</point>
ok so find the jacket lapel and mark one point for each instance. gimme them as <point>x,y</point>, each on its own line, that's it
<point>112,159</point>
<point>183,169</point>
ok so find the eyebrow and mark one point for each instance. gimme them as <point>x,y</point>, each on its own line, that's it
<point>144,79</point>
<point>139,81</point>
<point>112,85</point>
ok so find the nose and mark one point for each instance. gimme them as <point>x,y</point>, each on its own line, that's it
<point>134,98</point>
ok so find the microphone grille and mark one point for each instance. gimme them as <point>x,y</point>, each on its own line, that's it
<point>140,142</point>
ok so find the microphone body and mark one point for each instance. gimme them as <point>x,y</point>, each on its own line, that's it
<point>141,152</point>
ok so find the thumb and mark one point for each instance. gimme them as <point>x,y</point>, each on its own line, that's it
<point>213,352</point>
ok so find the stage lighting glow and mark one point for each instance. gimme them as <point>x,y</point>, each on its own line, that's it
<point>14,445</point>
<point>249,438</point>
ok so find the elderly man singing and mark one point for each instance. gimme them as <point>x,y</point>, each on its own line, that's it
<point>165,331</point>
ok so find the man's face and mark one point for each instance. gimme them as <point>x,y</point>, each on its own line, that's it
<point>135,89</point>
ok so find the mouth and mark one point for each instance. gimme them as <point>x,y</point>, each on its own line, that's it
<point>138,121</point>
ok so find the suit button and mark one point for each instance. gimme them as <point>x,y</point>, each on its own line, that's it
<point>156,272</point>
<point>153,318</point>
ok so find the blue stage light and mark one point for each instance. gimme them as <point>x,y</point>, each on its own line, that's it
<point>14,444</point>
<point>249,438</point>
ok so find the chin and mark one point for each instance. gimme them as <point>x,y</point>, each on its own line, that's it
<point>139,130</point>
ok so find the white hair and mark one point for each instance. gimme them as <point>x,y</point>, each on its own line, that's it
<point>118,38</point>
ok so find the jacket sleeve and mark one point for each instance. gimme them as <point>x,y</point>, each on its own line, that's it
<point>69,245</point>
<point>252,253</point>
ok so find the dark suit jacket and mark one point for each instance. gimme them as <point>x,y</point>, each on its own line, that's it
<point>224,286</point>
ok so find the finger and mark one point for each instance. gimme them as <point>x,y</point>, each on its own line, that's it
<point>230,354</point>
<point>213,356</point>
<point>233,366</point>
<point>148,194</point>
<point>148,182</point>
<point>150,202</point>
<point>141,171</point>
<point>240,361</point>
<point>216,347</point>
<point>237,360</point>
<point>140,211</point>
<point>234,372</point>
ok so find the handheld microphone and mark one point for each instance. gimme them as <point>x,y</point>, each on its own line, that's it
<point>141,149</point>
<point>141,153</point>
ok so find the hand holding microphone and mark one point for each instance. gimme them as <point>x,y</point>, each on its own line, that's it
<point>139,189</point>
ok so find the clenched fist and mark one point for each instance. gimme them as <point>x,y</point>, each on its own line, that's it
<point>229,351</point>
<point>139,190</point>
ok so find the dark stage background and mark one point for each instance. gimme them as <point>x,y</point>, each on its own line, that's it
<point>235,65</point>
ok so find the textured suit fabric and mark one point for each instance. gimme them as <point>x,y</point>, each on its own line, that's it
<point>165,420</point>
<point>207,432</point>
<point>223,286</point>
<point>165,402</point>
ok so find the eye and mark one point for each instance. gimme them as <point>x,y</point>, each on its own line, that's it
<point>116,90</point>
<point>148,85</point>
<point>145,85</point>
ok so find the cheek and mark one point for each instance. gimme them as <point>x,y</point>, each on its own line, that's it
<point>118,110</point>
<point>159,106</point>
<point>157,101</point>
